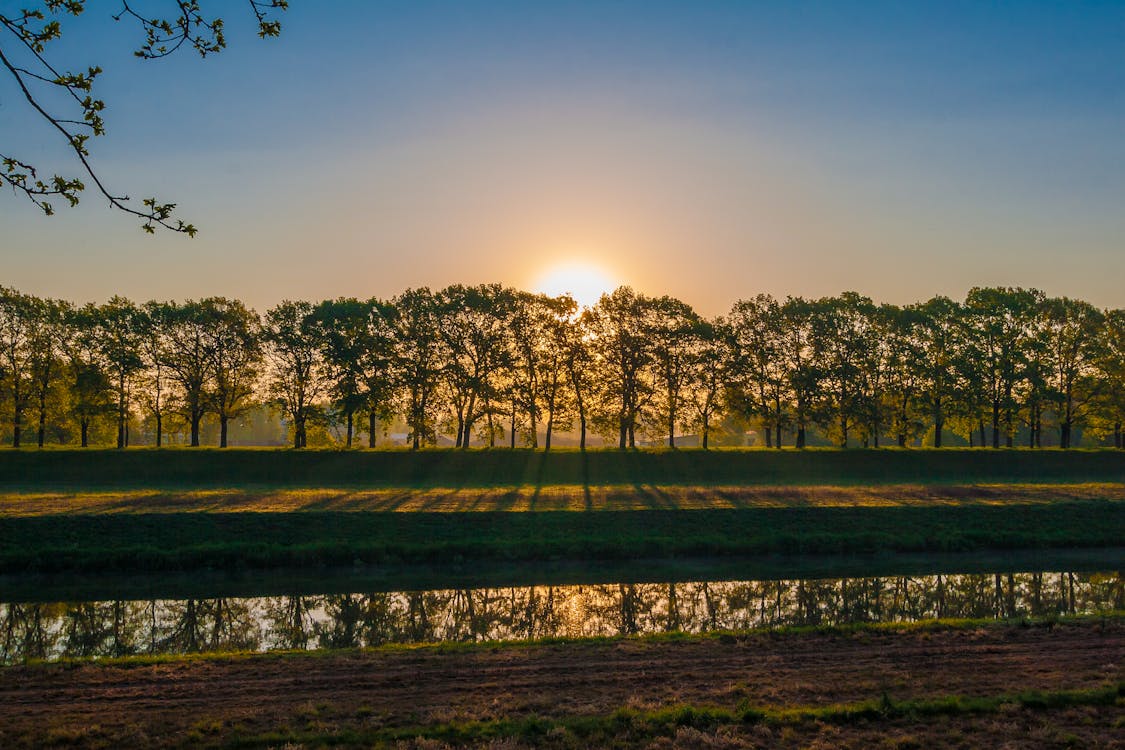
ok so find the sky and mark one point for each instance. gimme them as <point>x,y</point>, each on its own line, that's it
<point>706,150</point>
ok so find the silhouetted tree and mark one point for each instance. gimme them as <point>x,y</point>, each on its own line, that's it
<point>297,380</point>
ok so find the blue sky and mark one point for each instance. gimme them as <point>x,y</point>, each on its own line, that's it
<point>705,150</point>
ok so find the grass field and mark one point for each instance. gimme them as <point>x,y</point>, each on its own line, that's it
<point>185,510</point>
<point>142,540</point>
<point>195,468</point>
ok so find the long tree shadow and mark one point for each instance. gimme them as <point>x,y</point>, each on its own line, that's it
<point>588,503</point>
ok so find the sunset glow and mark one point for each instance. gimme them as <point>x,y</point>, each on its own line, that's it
<point>585,282</point>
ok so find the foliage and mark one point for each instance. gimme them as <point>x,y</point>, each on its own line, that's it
<point>25,53</point>
<point>487,365</point>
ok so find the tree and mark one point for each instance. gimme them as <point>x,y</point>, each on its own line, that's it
<point>419,359</point>
<point>90,389</point>
<point>539,341</point>
<point>234,348</point>
<point>758,385</point>
<point>377,364</point>
<point>622,346</point>
<point>797,355</point>
<point>675,339</point>
<point>472,323</point>
<point>1110,401</point>
<point>937,331</point>
<point>297,380</point>
<point>43,84</point>
<point>188,359</point>
<point>48,339</point>
<point>1074,347</point>
<point>900,345</point>
<point>117,329</point>
<point>706,371</point>
<point>997,326</point>
<point>17,318</point>
<point>154,348</point>
<point>342,332</point>
<point>579,363</point>
<point>842,339</point>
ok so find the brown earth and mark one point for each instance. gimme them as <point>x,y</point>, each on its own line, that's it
<point>560,497</point>
<point>210,701</point>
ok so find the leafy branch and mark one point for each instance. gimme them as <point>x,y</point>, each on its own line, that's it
<point>32,30</point>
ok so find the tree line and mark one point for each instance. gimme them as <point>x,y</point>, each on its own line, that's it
<point>491,365</point>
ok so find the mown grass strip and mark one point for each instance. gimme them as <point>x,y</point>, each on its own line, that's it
<point>28,469</point>
<point>542,498</point>
<point>631,725</point>
<point>191,541</point>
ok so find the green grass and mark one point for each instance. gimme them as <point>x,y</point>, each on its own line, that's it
<point>188,541</point>
<point>87,527</point>
<point>178,467</point>
<point>939,625</point>
<point>631,726</point>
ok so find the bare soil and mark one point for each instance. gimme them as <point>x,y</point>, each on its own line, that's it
<point>193,702</point>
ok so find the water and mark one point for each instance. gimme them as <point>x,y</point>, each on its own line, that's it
<point>177,626</point>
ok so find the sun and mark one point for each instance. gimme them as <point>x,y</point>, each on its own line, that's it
<point>585,282</point>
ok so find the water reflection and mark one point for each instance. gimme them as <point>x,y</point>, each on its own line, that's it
<point>118,628</point>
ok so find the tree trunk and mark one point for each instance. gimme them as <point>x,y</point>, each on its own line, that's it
<point>800,436</point>
<point>222,430</point>
<point>901,440</point>
<point>939,425</point>
<point>707,431</point>
<point>513,435</point>
<point>550,428</point>
<point>350,424</point>
<point>298,428</point>
<point>533,418</point>
<point>1117,435</point>
<point>623,435</point>
<point>672,424</point>
<point>42,435</point>
<point>768,430</point>
<point>982,442</point>
<point>1064,437</point>
<point>995,425</point>
<point>371,426</point>
<point>159,430</point>
<point>582,431</point>
<point>195,419</point>
<point>121,411</point>
<point>85,428</point>
<point>777,442</point>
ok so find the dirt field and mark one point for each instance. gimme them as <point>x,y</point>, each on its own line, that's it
<point>364,698</point>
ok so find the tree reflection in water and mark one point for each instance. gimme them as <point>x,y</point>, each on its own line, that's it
<point>119,628</point>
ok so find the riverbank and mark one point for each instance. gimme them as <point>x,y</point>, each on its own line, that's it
<point>141,541</point>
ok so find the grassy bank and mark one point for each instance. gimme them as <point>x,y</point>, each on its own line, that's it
<point>185,541</point>
<point>69,586</point>
<point>28,469</point>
